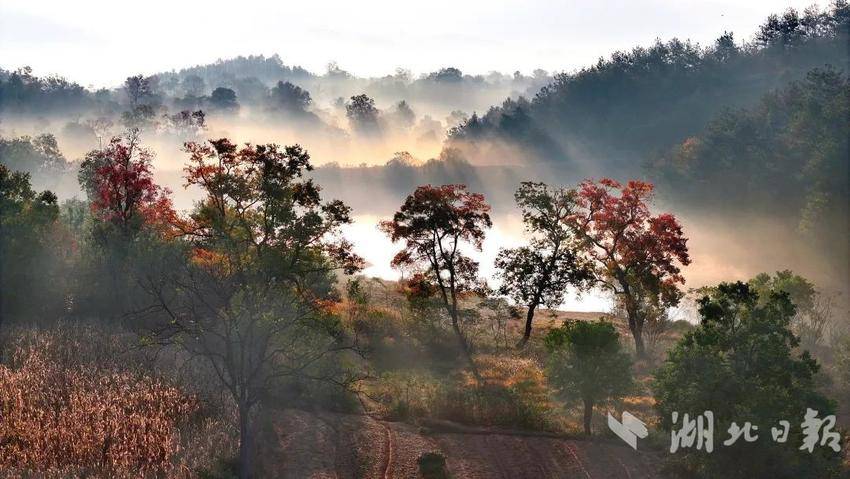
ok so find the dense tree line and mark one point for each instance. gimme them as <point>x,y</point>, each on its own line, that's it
<point>23,92</point>
<point>616,112</point>
<point>268,70</point>
<point>252,75</point>
<point>790,149</point>
<point>257,81</point>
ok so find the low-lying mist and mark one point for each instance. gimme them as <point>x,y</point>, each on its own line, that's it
<point>374,172</point>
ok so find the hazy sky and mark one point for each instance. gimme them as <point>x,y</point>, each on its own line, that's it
<point>100,42</point>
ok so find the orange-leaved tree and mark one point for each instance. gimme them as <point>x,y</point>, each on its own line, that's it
<point>120,185</point>
<point>434,222</point>
<point>250,295</point>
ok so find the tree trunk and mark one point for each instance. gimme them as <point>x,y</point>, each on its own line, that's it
<point>451,308</point>
<point>244,442</point>
<point>640,349</point>
<point>588,416</point>
<point>465,348</point>
<point>529,317</point>
<point>636,328</point>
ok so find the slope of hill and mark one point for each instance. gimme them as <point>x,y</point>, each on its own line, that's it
<point>299,444</point>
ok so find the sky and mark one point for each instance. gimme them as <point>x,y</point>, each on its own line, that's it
<point>100,42</point>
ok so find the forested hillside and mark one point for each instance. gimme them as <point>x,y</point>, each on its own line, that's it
<point>788,152</point>
<point>619,111</point>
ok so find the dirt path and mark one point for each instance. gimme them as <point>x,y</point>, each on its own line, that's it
<point>298,444</point>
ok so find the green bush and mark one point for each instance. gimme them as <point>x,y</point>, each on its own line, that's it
<point>587,364</point>
<point>432,465</point>
<point>743,364</point>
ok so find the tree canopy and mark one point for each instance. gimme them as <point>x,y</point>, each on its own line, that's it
<point>742,364</point>
<point>586,363</point>
<point>635,255</point>
<point>435,222</point>
<point>541,272</point>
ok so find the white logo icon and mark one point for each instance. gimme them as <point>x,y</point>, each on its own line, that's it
<point>629,430</point>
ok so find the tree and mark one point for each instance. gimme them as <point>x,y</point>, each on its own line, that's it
<point>142,101</point>
<point>140,89</point>
<point>742,363</point>
<point>249,289</point>
<point>404,115</point>
<point>290,98</point>
<point>251,90</point>
<point>657,321</point>
<point>813,309</point>
<point>596,107</point>
<point>128,209</point>
<point>456,118</point>
<point>634,254</point>
<point>27,257</point>
<point>540,273</point>
<point>797,165</point>
<point>434,222</point>
<point>36,156</point>
<point>193,85</point>
<point>362,114</point>
<point>186,123</point>
<point>586,362</point>
<point>22,92</point>
<point>224,99</point>
<point>40,157</point>
<point>118,180</point>
<point>447,75</point>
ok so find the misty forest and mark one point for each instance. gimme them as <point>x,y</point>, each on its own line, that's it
<point>249,269</point>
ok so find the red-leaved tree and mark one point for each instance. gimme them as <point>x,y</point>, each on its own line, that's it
<point>636,256</point>
<point>127,206</point>
<point>433,223</point>
<point>119,181</point>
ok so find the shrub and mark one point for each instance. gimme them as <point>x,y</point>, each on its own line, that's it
<point>587,363</point>
<point>432,465</point>
<point>514,394</point>
<point>406,394</point>
<point>514,406</point>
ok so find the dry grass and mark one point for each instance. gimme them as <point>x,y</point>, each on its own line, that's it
<point>73,406</point>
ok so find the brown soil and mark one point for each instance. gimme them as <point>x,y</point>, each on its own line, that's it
<point>299,444</point>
